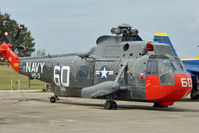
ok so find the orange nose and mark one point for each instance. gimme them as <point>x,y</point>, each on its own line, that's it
<point>167,94</point>
<point>183,85</point>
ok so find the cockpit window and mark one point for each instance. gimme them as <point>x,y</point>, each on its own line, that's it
<point>158,66</point>
<point>165,66</point>
<point>165,70</point>
<point>152,68</point>
<point>179,65</point>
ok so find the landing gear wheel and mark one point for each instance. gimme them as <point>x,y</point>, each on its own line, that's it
<point>53,99</point>
<point>110,105</point>
<point>114,105</point>
<point>107,105</point>
<point>193,95</point>
<point>157,105</point>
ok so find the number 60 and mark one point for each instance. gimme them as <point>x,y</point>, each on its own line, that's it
<point>62,75</point>
<point>186,82</point>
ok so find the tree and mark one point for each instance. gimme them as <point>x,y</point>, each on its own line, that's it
<point>25,39</point>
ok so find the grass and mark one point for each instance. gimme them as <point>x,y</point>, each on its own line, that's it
<point>7,74</point>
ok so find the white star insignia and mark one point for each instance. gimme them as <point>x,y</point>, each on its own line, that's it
<point>104,72</point>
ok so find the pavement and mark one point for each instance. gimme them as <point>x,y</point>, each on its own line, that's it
<point>31,112</point>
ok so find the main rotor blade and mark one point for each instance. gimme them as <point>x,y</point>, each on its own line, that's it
<point>21,47</point>
<point>18,33</point>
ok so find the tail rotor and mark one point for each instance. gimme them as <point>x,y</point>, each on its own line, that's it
<point>8,38</point>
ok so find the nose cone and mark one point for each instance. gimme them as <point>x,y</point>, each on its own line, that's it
<point>183,86</point>
<point>167,94</point>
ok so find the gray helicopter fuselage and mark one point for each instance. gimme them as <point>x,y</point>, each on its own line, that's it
<point>69,73</point>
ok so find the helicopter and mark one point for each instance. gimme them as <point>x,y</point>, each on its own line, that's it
<point>120,67</point>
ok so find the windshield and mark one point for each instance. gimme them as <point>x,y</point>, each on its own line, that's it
<point>178,64</point>
<point>164,68</point>
<point>158,66</point>
<point>165,71</point>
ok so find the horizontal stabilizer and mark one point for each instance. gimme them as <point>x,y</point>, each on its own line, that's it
<point>99,90</point>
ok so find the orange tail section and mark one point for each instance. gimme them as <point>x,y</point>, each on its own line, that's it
<point>10,56</point>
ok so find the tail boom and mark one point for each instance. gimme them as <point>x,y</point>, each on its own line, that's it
<point>10,56</point>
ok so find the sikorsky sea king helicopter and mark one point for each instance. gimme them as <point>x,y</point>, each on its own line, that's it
<point>120,67</point>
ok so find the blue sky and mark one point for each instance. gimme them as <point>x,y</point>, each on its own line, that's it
<point>68,26</point>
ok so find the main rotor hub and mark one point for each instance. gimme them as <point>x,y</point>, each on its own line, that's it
<point>124,29</point>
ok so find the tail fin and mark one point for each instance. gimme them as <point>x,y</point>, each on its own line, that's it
<point>10,56</point>
<point>164,38</point>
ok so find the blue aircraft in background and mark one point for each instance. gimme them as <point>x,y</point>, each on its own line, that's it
<point>192,65</point>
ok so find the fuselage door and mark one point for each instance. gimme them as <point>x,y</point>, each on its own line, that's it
<point>83,73</point>
<point>137,78</point>
<point>152,73</point>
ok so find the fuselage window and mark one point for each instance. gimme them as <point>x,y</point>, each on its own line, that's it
<point>82,71</point>
<point>126,47</point>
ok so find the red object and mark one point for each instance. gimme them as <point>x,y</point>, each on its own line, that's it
<point>20,27</point>
<point>149,46</point>
<point>167,94</point>
<point>141,76</point>
<point>10,56</point>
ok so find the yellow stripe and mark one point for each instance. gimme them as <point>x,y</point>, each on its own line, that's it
<point>160,34</point>
<point>16,64</point>
<point>130,70</point>
<point>189,59</point>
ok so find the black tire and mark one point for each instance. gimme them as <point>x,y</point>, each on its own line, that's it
<point>53,99</point>
<point>156,105</point>
<point>108,105</point>
<point>114,105</point>
<point>194,96</point>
